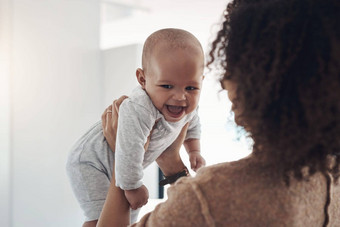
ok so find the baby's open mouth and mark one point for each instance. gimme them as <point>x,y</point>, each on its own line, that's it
<point>175,109</point>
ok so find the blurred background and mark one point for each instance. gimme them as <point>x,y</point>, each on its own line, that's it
<point>62,62</point>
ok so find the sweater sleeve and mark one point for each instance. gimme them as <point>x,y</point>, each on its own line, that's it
<point>186,205</point>
<point>134,126</point>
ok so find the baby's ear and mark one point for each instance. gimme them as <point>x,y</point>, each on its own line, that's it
<point>141,77</point>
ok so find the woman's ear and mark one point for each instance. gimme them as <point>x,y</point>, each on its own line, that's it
<point>141,77</point>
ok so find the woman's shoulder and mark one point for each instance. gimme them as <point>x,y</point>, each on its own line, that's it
<point>231,180</point>
<point>249,192</point>
<point>228,170</point>
<point>248,176</point>
<point>224,190</point>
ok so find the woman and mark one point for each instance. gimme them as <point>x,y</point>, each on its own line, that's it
<point>279,64</point>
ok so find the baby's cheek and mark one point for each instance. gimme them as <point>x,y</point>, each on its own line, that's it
<point>195,102</point>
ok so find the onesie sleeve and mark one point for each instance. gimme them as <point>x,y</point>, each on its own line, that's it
<point>186,205</point>
<point>194,129</point>
<point>134,125</point>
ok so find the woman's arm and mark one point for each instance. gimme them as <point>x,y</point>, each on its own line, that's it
<point>170,161</point>
<point>116,210</point>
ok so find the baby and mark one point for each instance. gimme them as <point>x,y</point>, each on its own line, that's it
<point>166,100</point>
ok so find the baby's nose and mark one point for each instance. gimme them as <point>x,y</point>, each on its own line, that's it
<point>179,95</point>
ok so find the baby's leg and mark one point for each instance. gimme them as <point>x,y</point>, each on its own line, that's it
<point>116,210</point>
<point>90,175</point>
<point>89,167</point>
<point>90,186</point>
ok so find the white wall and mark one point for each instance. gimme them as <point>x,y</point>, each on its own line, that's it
<point>5,37</point>
<point>55,96</point>
<point>119,70</point>
<point>136,19</point>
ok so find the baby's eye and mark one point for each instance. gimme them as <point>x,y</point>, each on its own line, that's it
<point>190,88</point>
<point>166,86</point>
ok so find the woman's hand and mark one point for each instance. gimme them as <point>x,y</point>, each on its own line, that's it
<point>170,160</point>
<point>110,122</point>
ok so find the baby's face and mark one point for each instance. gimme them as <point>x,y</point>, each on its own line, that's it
<point>174,81</point>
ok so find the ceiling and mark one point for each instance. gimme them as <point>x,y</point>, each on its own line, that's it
<point>125,22</point>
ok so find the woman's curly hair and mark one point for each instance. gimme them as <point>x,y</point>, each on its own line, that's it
<point>284,56</point>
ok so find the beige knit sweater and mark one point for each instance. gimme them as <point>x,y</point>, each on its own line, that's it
<point>244,193</point>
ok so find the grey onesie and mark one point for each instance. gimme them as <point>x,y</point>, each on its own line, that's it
<point>90,161</point>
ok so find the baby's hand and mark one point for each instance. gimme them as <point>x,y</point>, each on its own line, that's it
<point>137,197</point>
<point>196,160</point>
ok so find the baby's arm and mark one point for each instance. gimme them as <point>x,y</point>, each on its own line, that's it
<point>193,148</point>
<point>132,135</point>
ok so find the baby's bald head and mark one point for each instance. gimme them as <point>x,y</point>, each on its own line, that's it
<point>169,39</point>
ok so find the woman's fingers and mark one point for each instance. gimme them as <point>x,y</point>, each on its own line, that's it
<point>119,101</point>
<point>113,122</point>
<point>105,115</point>
<point>149,137</point>
<point>110,122</point>
<point>110,116</point>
